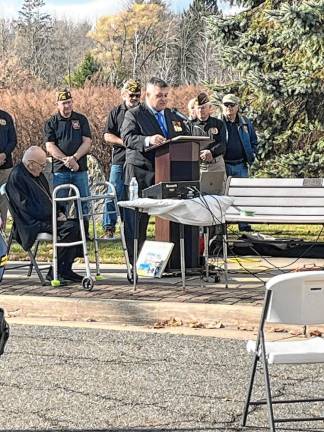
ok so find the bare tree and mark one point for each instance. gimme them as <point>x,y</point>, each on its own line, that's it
<point>67,48</point>
<point>6,37</point>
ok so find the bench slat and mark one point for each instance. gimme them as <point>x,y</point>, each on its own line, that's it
<point>279,211</point>
<point>318,220</point>
<point>277,202</point>
<point>268,182</point>
<point>275,192</point>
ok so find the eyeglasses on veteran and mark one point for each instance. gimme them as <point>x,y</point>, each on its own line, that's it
<point>41,165</point>
<point>229,105</point>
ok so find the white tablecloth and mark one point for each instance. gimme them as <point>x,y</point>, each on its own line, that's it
<point>202,211</point>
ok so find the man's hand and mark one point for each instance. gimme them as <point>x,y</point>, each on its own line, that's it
<point>206,156</point>
<point>71,163</point>
<point>3,158</point>
<point>157,139</point>
<point>61,217</point>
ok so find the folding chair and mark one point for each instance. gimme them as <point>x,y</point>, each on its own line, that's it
<point>32,252</point>
<point>298,299</point>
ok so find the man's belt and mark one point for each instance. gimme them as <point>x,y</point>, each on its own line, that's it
<point>215,160</point>
<point>235,162</point>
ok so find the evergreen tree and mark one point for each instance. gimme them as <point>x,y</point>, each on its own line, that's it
<point>277,47</point>
<point>84,72</point>
<point>33,39</point>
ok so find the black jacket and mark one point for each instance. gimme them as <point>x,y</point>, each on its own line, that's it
<point>214,128</point>
<point>113,126</point>
<point>140,123</point>
<point>30,204</point>
<point>8,138</point>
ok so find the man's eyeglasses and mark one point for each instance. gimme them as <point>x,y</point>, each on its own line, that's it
<point>134,95</point>
<point>43,165</point>
<point>229,105</point>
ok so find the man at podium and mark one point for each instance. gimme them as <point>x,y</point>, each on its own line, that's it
<point>149,124</point>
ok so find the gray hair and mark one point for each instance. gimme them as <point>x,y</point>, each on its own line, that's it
<point>32,153</point>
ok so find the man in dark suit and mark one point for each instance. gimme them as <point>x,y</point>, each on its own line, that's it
<point>147,125</point>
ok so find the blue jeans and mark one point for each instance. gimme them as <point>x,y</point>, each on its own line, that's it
<point>78,179</point>
<point>240,170</point>
<point>116,177</point>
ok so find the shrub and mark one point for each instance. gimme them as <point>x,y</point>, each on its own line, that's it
<point>31,108</point>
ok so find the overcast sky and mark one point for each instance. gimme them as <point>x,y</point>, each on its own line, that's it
<point>80,9</point>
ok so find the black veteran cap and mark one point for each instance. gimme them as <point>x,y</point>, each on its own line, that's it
<point>63,95</point>
<point>201,99</point>
<point>132,85</point>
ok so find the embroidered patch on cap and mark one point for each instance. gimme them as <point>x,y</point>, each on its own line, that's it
<point>63,95</point>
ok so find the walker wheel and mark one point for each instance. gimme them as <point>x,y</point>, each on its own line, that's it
<point>100,277</point>
<point>87,283</point>
<point>55,282</point>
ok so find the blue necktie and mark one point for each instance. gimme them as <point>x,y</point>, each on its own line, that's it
<point>160,118</point>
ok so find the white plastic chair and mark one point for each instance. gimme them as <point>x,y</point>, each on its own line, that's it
<point>298,299</point>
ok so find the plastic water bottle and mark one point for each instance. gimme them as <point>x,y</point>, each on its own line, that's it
<point>133,189</point>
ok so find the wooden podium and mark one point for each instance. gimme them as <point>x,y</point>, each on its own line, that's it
<point>176,160</point>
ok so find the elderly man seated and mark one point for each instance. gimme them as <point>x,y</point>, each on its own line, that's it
<point>31,206</point>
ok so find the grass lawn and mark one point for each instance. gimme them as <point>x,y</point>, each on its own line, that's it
<point>111,252</point>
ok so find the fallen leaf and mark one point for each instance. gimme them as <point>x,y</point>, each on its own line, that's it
<point>196,324</point>
<point>296,332</point>
<point>159,324</point>
<point>279,330</point>
<point>219,325</point>
<point>315,333</point>
<point>173,322</point>
<point>216,325</point>
<point>246,328</point>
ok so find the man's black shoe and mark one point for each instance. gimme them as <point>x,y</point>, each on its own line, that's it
<point>246,228</point>
<point>49,277</point>
<point>70,275</point>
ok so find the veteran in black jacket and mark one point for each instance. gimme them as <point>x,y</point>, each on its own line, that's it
<point>31,207</point>
<point>211,155</point>
<point>8,142</point>
<point>147,125</point>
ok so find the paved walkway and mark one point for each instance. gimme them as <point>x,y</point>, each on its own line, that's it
<point>113,300</point>
<point>246,284</point>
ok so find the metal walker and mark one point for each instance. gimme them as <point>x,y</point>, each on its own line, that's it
<point>88,281</point>
<point>109,194</point>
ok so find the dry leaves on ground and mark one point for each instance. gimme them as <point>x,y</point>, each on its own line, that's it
<point>196,324</point>
<point>172,322</point>
<point>216,325</point>
<point>315,333</point>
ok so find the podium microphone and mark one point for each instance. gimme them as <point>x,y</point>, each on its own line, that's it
<point>180,114</point>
